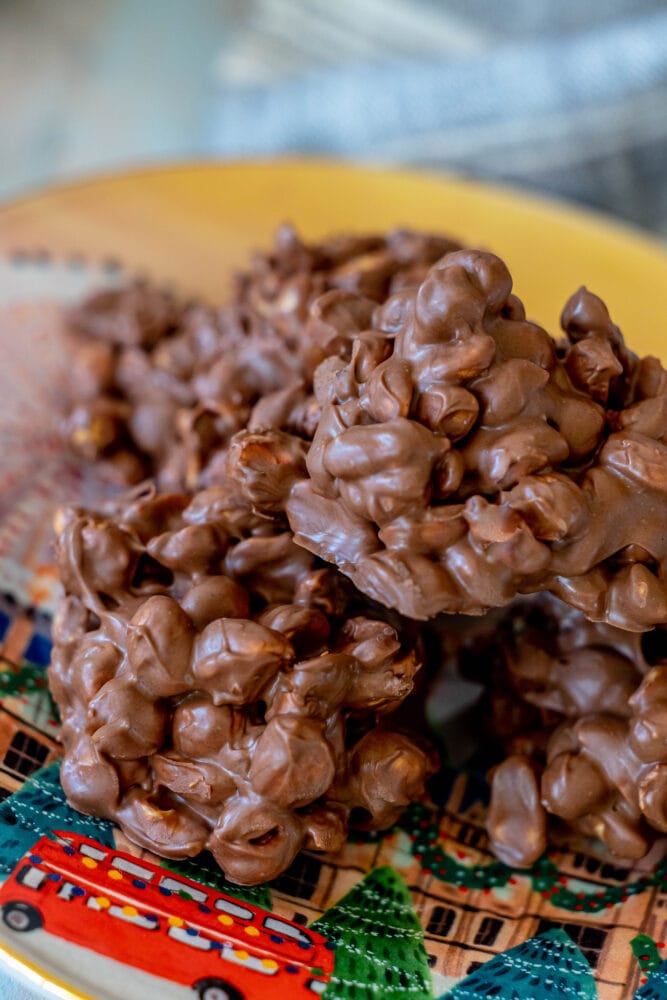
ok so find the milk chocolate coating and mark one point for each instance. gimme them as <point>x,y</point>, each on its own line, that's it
<point>588,741</point>
<point>213,690</point>
<point>390,398</point>
<point>463,456</point>
<point>158,389</point>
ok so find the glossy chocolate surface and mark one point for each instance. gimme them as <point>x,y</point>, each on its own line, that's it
<point>582,709</point>
<point>463,456</point>
<point>213,690</point>
<point>373,409</point>
<point>158,388</point>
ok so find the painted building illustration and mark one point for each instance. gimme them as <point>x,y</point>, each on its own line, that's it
<point>28,726</point>
<point>23,750</point>
<point>465,928</point>
<point>28,729</point>
<point>24,633</point>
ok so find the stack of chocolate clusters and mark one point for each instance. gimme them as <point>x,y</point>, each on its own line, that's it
<point>581,708</point>
<point>161,388</point>
<point>370,434</point>
<point>217,689</point>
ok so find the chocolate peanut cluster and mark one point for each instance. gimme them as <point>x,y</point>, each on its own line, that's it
<point>369,419</point>
<point>463,456</point>
<point>217,688</point>
<point>158,388</point>
<point>588,734</point>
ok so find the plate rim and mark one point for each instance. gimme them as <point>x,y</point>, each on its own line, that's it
<point>555,206</point>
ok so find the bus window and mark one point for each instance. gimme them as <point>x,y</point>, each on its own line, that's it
<point>93,852</point>
<point>278,926</point>
<point>130,914</point>
<point>182,889</point>
<point>34,878</point>
<point>70,891</point>
<point>131,868</point>
<point>267,966</point>
<point>184,935</point>
<point>234,909</point>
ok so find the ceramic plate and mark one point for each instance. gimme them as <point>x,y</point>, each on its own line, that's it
<point>422,911</point>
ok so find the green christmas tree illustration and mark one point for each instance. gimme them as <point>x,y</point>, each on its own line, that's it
<point>380,952</point>
<point>542,968</point>
<point>38,808</point>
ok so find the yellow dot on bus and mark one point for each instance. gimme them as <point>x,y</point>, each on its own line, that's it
<point>102,902</point>
<point>116,876</point>
<point>252,931</point>
<point>269,963</point>
<point>89,862</point>
<point>130,911</point>
<point>241,955</point>
<point>175,921</point>
<point>225,919</point>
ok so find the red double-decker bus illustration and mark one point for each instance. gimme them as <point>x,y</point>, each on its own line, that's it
<point>163,923</point>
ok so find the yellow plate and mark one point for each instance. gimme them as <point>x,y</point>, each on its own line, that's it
<point>193,224</point>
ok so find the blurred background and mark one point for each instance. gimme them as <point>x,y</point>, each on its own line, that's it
<point>568,98</point>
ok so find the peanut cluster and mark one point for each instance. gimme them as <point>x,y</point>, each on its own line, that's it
<point>282,284</point>
<point>588,739</point>
<point>462,456</point>
<point>373,409</point>
<point>213,691</point>
<point>158,388</point>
